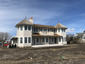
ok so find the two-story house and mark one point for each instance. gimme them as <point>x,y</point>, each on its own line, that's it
<point>30,34</point>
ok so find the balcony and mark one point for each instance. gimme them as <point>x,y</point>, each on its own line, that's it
<point>46,33</point>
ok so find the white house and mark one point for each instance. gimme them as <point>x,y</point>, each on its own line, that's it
<point>81,36</point>
<point>32,35</point>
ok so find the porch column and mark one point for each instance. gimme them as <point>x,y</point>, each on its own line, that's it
<point>40,40</point>
<point>12,41</point>
<point>61,40</point>
<point>48,40</point>
<point>58,41</point>
<point>18,40</point>
<point>45,40</point>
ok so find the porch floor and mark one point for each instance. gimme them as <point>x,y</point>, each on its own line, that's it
<point>46,45</point>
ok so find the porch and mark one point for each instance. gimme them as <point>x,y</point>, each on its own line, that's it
<point>46,40</point>
<point>14,40</point>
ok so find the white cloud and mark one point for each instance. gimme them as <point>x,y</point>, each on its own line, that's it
<point>70,30</point>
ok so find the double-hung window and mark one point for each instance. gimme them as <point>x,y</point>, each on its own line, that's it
<point>25,27</point>
<point>25,39</point>
<point>21,40</point>
<point>29,39</point>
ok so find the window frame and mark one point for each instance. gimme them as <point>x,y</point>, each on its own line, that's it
<point>21,28</point>
<point>21,40</point>
<point>29,39</point>
<point>25,39</point>
<point>25,27</point>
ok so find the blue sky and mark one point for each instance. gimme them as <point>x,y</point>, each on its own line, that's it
<point>71,13</point>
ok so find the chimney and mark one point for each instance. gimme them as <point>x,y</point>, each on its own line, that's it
<point>31,20</point>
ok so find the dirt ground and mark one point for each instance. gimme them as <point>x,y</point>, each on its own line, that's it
<point>71,54</point>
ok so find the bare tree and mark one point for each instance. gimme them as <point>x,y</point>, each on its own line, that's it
<point>4,36</point>
<point>69,38</point>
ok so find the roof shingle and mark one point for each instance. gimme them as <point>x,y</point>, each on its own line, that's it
<point>24,22</point>
<point>60,26</point>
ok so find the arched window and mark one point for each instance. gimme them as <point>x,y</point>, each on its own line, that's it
<point>63,30</point>
<point>25,39</point>
<point>21,27</point>
<point>29,27</point>
<point>21,40</point>
<point>25,27</point>
<point>29,39</point>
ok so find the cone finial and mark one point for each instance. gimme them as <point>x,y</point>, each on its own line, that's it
<point>31,19</point>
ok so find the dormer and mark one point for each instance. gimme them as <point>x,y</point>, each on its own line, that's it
<point>60,28</point>
<point>24,25</point>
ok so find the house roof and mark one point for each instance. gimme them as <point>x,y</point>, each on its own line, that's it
<point>37,34</point>
<point>24,22</point>
<point>60,26</point>
<point>43,26</point>
<point>14,38</point>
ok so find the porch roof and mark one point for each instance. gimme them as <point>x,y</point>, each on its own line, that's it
<point>37,34</point>
<point>13,38</point>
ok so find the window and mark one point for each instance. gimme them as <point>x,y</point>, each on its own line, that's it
<point>25,27</point>
<point>59,39</point>
<point>45,29</point>
<point>21,28</point>
<point>64,30</point>
<point>52,30</point>
<point>42,39</point>
<point>48,29</point>
<point>21,41</point>
<point>40,29</point>
<point>25,39</point>
<point>37,40</point>
<point>36,30</point>
<point>55,30</point>
<point>64,39</point>
<point>29,39</point>
<point>46,39</point>
<point>29,27</point>
<point>58,30</point>
<point>52,39</point>
<point>18,27</point>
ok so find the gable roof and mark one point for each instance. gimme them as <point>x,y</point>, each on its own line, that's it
<point>60,26</point>
<point>43,26</point>
<point>24,22</point>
